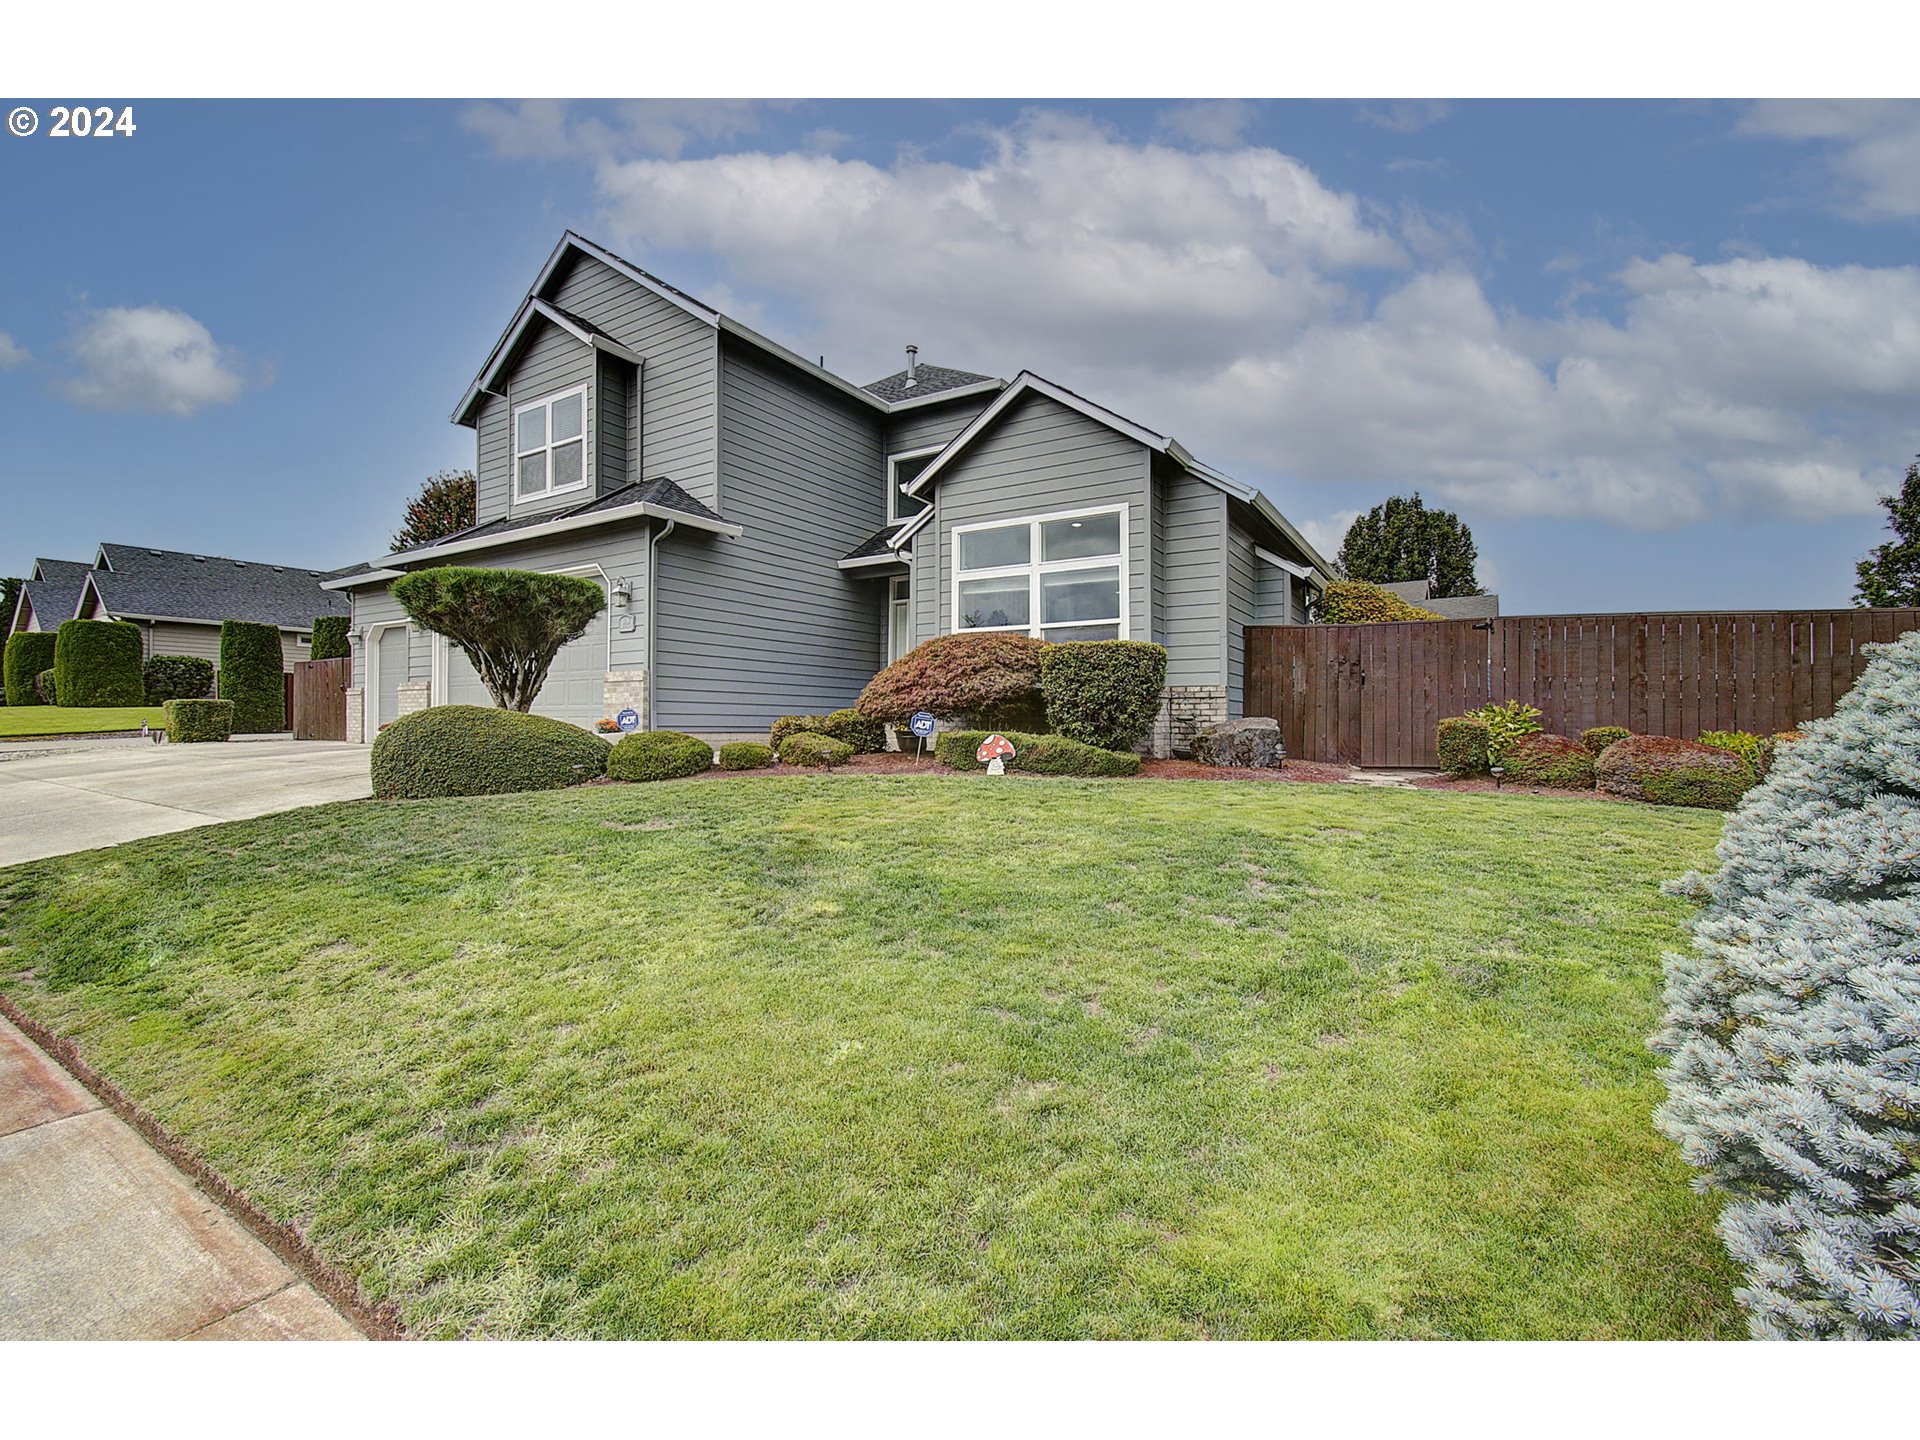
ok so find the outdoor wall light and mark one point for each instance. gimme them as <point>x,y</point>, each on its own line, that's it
<point>623,592</point>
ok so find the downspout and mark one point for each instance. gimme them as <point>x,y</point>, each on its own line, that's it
<point>653,584</point>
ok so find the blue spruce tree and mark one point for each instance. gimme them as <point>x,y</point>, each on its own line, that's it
<point>1792,1026</point>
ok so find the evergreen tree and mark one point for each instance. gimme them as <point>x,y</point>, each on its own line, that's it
<point>1792,1025</point>
<point>1401,539</point>
<point>1891,574</point>
<point>444,506</point>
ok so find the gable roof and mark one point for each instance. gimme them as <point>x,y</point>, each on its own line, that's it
<point>51,591</point>
<point>926,383</point>
<point>1028,383</point>
<point>178,585</point>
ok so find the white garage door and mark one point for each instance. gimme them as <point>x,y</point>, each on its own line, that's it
<point>576,685</point>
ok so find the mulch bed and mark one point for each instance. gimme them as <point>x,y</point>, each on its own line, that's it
<point>1483,784</point>
<point>1310,772</point>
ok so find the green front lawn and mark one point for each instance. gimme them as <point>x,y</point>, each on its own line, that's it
<point>19,721</point>
<point>931,1056</point>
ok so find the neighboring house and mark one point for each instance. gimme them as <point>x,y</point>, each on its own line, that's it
<point>1462,607</point>
<point>771,534</point>
<point>179,599</point>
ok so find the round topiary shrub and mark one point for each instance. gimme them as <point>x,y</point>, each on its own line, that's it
<point>1556,761</point>
<point>659,755</point>
<point>477,750</point>
<point>27,654</point>
<point>793,725</point>
<point>1792,1024</point>
<point>193,722</point>
<point>1463,744</point>
<point>819,752</point>
<point>745,755</point>
<point>865,734</point>
<point>1665,771</point>
<point>1601,736</point>
<point>97,663</point>
<point>974,678</point>
<point>46,686</point>
<point>177,677</point>
<point>251,667</point>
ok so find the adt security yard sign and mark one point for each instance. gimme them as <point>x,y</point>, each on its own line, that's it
<point>628,720</point>
<point>921,724</point>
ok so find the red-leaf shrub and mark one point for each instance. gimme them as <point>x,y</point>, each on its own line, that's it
<point>1666,771</point>
<point>988,681</point>
<point>1552,760</point>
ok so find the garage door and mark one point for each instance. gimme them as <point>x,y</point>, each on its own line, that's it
<point>576,685</point>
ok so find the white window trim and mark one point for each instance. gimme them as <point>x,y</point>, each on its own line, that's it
<point>894,491</point>
<point>1036,567</point>
<point>899,594</point>
<point>546,403</point>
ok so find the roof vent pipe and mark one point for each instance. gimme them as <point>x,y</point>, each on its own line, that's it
<point>913,364</point>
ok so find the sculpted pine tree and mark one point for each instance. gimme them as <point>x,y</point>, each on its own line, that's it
<point>1400,539</point>
<point>509,623</point>
<point>1891,574</point>
<point>1792,1025</point>
<point>443,507</point>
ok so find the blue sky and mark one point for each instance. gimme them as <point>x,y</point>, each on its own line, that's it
<point>1656,354</point>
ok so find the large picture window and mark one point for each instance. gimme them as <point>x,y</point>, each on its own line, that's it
<point>550,445</point>
<point>1057,577</point>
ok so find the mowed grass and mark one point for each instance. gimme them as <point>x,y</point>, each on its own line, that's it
<point>919,1056</point>
<point>18,721</point>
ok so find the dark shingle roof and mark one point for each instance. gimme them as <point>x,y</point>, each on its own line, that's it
<point>927,380</point>
<point>874,545</point>
<point>659,492</point>
<point>176,584</point>
<point>56,593</point>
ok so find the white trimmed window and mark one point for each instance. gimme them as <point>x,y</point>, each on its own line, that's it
<point>550,445</point>
<point>903,469</point>
<point>1055,577</point>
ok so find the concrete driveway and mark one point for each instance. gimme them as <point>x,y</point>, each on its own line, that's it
<point>107,793</point>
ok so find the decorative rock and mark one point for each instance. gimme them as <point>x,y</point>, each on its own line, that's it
<point>1252,743</point>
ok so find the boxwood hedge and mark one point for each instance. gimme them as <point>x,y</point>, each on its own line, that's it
<point>745,755</point>
<point>819,752</point>
<point>251,667</point>
<point>658,755</point>
<point>190,722</point>
<point>478,750</point>
<point>27,654</point>
<point>46,687</point>
<point>1104,693</point>
<point>178,677</point>
<point>97,662</point>
<point>1463,744</point>
<point>1036,754</point>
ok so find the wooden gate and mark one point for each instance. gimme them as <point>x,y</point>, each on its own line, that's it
<point>1373,694</point>
<point>319,698</point>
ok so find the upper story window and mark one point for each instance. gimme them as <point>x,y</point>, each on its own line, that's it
<point>1057,577</point>
<point>549,445</point>
<point>901,470</point>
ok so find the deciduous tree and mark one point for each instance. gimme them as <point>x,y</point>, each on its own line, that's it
<point>444,505</point>
<point>1890,575</point>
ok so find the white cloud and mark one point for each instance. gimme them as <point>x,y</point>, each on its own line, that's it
<point>1298,333</point>
<point>12,352</point>
<point>149,358</point>
<point>1213,123</point>
<point>1872,148</point>
<point>1326,533</point>
<point>1405,117</point>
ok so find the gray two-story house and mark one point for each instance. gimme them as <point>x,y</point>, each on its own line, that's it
<point>770,535</point>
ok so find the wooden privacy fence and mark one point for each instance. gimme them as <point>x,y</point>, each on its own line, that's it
<point>317,701</point>
<point>1372,694</point>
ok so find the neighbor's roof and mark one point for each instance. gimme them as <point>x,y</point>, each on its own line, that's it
<point>926,381</point>
<point>53,591</point>
<point>179,585</point>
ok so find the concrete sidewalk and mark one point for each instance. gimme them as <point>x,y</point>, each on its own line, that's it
<point>101,1238</point>
<point>79,799</point>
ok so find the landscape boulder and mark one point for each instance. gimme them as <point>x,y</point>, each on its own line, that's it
<point>1252,743</point>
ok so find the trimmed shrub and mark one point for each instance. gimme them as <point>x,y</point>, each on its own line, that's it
<point>251,667</point>
<point>27,654</point>
<point>1557,761</point>
<point>1506,723</point>
<point>793,725</point>
<point>1737,742</point>
<point>745,755</point>
<point>177,677</point>
<point>478,750</point>
<point>971,678</point>
<point>1790,1024</point>
<point>1036,754</point>
<point>97,663</point>
<point>865,734</point>
<point>658,755</point>
<point>1103,692</point>
<point>1463,746</point>
<point>1666,771</point>
<point>1601,736</point>
<point>1355,602</point>
<point>329,638</point>
<point>190,722</point>
<point>46,686</point>
<point>817,751</point>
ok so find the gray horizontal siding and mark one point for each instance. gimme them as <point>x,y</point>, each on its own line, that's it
<point>492,465</point>
<point>165,637</point>
<point>1242,591</point>
<point>678,419</point>
<point>612,406</point>
<point>1192,581</point>
<point>766,625</point>
<point>1273,602</point>
<point>1039,457</point>
<point>935,425</point>
<point>552,361</point>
